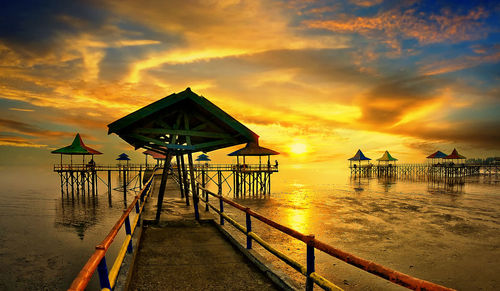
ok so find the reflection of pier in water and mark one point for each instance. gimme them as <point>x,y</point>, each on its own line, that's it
<point>78,214</point>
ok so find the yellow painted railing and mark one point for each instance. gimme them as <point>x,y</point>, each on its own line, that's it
<point>98,258</point>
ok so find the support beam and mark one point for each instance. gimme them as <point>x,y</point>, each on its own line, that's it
<point>179,174</point>
<point>163,185</point>
<point>193,186</point>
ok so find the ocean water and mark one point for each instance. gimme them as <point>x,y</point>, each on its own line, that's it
<point>448,233</point>
<point>47,237</point>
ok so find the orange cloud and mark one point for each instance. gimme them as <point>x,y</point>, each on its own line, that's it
<point>393,24</point>
<point>16,141</point>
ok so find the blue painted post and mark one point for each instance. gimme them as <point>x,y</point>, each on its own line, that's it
<point>137,207</point>
<point>249,229</point>
<point>128,231</point>
<point>310,262</point>
<point>102,269</point>
<point>221,204</point>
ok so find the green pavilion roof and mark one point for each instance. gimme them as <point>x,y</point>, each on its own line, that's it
<point>77,148</point>
<point>182,121</point>
<point>386,157</point>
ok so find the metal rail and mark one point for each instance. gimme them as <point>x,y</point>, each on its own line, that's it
<point>98,259</point>
<point>312,244</point>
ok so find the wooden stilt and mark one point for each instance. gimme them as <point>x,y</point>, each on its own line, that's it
<point>177,160</point>
<point>185,180</point>
<point>193,187</point>
<point>163,184</point>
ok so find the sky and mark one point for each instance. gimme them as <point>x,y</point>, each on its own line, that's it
<point>316,80</point>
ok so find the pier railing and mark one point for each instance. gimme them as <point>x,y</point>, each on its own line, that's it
<point>88,167</point>
<point>312,244</point>
<point>98,259</point>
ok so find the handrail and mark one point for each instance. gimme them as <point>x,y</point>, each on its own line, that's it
<point>97,259</point>
<point>313,243</point>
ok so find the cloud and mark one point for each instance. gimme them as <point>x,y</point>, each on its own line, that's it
<point>389,100</point>
<point>365,3</point>
<point>16,141</point>
<point>394,25</point>
<point>28,129</point>
<point>438,67</point>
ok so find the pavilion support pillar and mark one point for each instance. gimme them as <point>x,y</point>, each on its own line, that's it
<point>185,180</point>
<point>109,182</point>
<point>193,186</point>
<point>179,174</point>
<point>124,184</point>
<point>219,182</point>
<point>163,185</point>
<point>62,187</point>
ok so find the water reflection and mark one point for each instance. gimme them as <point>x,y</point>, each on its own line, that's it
<point>359,183</point>
<point>77,214</point>
<point>79,209</point>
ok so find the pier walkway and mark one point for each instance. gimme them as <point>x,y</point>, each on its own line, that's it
<point>183,254</point>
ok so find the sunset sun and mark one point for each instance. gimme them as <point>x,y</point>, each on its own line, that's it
<point>298,148</point>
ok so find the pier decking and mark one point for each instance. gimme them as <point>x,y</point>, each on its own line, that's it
<point>183,254</point>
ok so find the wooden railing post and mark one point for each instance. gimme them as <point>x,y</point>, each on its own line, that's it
<point>206,204</point>
<point>221,209</point>
<point>249,228</point>
<point>310,262</point>
<point>102,269</point>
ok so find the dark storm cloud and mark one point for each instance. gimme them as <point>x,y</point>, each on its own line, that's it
<point>36,27</point>
<point>28,129</point>
<point>388,101</point>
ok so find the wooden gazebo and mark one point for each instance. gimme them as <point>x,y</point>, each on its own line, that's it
<point>177,125</point>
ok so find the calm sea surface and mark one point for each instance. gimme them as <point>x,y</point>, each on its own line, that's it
<point>446,233</point>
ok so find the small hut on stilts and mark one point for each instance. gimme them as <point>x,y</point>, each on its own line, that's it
<point>254,179</point>
<point>363,167</point>
<point>79,176</point>
<point>388,166</point>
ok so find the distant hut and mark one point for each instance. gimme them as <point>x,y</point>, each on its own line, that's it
<point>155,155</point>
<point>254,149</point>
<point>439,156</point>
<point>359,157</point>
<point>123,157</point>
<point>77,148</point>
<point>455,156</point>
<point>203,158</point>
<point>387,159</point>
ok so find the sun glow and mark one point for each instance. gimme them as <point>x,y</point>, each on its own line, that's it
<point>298,148</point>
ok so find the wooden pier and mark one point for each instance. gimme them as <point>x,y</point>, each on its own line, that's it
<point>83,178</point>
<point>247,179</point>
<point>435,170</point>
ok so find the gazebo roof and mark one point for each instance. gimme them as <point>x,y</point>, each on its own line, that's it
<point>454,156</point>
<point>386,157</point>
<point>77,148</point>
<point>123,157</point>
<point>437,155</point>
<point>254,149</point>
<point>182,121</point>
<point>155,155</point>
<point>359,156</point>
<point>203,158</point>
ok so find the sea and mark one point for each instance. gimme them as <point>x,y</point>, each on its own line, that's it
<point>441,231</point>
